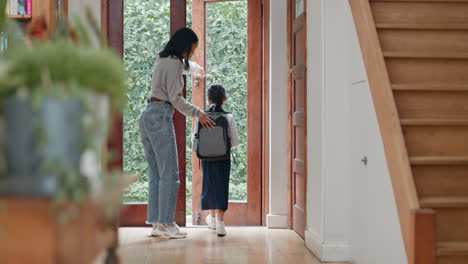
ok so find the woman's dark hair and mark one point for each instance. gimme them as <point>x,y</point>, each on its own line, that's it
<point>181,42</point>
<point>217,95</point>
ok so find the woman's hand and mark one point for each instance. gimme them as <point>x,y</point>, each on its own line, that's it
<point>206,121</point>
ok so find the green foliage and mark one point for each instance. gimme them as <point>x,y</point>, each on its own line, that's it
<point>226,57</point>
<point>146,32</point>
<point>137,192</point>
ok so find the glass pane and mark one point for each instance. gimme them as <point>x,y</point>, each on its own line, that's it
<point>299,7</point>
<point>226,59</point>
<point>146,30</point>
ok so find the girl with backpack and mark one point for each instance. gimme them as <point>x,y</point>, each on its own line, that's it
<point>214,149</point>
<point>158,134</point>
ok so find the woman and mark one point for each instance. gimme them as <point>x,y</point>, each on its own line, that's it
<point>157,130</point>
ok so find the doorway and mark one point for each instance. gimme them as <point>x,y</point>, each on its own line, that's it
<point>297,38</point>
<point>174,13</point>
<point>230,33</point>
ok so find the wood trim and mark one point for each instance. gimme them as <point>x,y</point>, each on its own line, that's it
<point>290,80</point>
<point>178,15</point>
<point>133,213</point>
<point>178,20</point>
<point>296,72</point>
<point>105,18</point>
<point>254,108</point>
<point>115,25</point>
<point>198,99</point>
<point>266,112</point>
<point>423,237</point>
<point>305,115</point>
<point>114,22</point>
<point>387,115</point>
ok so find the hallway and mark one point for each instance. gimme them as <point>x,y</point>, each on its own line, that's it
<point>241,245</point>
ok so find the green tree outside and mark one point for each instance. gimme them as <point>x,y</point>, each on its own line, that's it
<point>146,30</point>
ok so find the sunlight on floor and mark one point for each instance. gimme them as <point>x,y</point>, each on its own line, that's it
<point>254,245</point>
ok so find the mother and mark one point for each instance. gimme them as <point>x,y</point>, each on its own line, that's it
<point>157,130</point>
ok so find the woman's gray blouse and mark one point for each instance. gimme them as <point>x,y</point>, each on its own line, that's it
<point>167,84</point>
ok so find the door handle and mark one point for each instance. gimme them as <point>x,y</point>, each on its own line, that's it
<point>197,77</point>
<point>364,160</point>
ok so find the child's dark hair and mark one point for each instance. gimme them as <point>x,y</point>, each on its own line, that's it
<point>181,42</point>
<point>217,95</point>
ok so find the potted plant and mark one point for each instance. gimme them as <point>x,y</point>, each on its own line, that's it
<point>53,96</point>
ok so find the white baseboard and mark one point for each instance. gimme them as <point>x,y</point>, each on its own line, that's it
<point>326,252</point>
<point>313,243</point>
<point>277,221</point>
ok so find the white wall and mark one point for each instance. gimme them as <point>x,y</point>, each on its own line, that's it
<point>328,145</point>
<point>351,208</point>
<point>315,122</point>
<point>374,228</point>
<point>278,215</point>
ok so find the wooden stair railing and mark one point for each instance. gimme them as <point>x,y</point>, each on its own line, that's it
<point>416,56</point>
<point>417,225</point>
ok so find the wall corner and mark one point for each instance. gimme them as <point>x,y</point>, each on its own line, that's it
<point>327,252</point>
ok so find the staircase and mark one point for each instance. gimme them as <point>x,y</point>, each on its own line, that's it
<point>416,54</point>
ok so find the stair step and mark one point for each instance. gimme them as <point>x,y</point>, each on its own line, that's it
<point>422,26</point>
<point>445,202</point>
<point>426,55</point>
<point>431,87</point>
<point>452,248</point>
<point>439,160</point>
<point>436,181</point>
<point>434,122</point>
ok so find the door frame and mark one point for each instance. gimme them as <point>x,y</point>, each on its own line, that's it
<point>252,209</point>
<point>290,24</point>
<point>266,112</point>
<point>112,25</point>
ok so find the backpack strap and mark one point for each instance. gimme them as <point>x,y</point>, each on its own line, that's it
<point>212,109</point>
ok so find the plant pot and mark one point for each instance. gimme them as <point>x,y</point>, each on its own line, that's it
<point>39,138</point>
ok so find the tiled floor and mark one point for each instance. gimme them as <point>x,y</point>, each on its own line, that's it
<point>255,245</point>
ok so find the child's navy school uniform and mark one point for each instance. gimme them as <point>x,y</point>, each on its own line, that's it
<point>216,174</point>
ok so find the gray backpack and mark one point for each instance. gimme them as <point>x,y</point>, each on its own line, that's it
<point>214,144</point>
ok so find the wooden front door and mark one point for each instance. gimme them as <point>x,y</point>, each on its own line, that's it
<point>246,212</point>
<point>297,114</point>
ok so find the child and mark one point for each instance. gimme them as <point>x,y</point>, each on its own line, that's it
<point>215,191</point>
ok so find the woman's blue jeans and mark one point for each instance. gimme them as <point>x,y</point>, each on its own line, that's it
<point>159,141</point>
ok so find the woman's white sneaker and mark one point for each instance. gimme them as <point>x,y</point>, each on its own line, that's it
<point>155,231</point>
<point>220,229</point>
<point>171,231</point>
<point>211,222</point>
